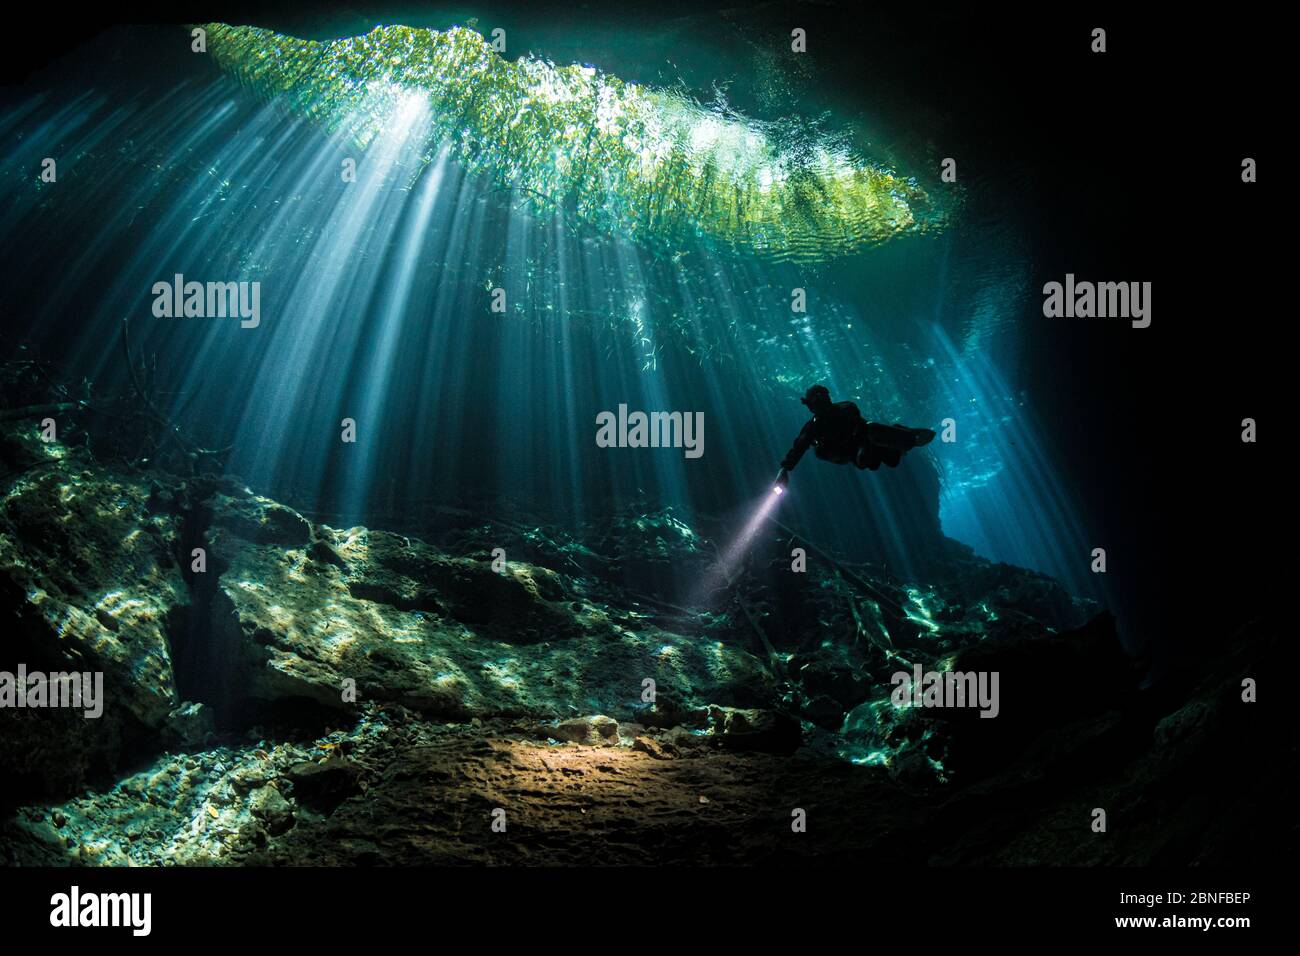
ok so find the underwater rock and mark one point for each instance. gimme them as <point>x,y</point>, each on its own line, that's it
<point>670,711</point>
<point>835,681</point>
<point>181,808</point>
<point>648,745</point>
<point>89,583</point>
<point>912,768</point>
<point>824,711</point>
<point>368,640</point>
<point>298,614</point>
<point>652,552</point>
<point>90,563</point>
<point>1043,682</point>
<point>970,585</point>
<point>272,809</point>
<point>259,520</point>
<point>1185,725</point>
<point>597,730</point>
<point>765,731</point>
<point>396,619</point>
<point>323,786</point>
<point>54,753</point>
<point>1185,768</point>
<point>322,552</point>
<point>90,576</point>
<point>425,780</point>
<point>191,723</point>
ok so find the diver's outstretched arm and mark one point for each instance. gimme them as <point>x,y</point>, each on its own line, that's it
<point>801,445</point>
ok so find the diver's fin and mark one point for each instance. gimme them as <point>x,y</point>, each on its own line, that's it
<point>899,437</point>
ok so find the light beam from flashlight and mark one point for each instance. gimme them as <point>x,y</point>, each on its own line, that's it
<point>735,550</point>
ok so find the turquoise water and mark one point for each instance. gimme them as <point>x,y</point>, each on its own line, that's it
<point>484,289</point>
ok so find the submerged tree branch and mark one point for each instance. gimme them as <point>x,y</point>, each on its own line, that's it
<point>31,411</point>
<point>172,430</point>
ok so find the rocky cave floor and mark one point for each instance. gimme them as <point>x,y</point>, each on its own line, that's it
<point>316,695</point>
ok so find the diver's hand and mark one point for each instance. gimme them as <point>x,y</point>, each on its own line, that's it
<point>782,479</point>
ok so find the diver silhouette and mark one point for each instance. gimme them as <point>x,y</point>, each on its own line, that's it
<point>838,433</point>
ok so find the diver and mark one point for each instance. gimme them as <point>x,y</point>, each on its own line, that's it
<point>838,433</point>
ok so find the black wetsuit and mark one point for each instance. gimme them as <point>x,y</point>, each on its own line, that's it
<point>840,434</point>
